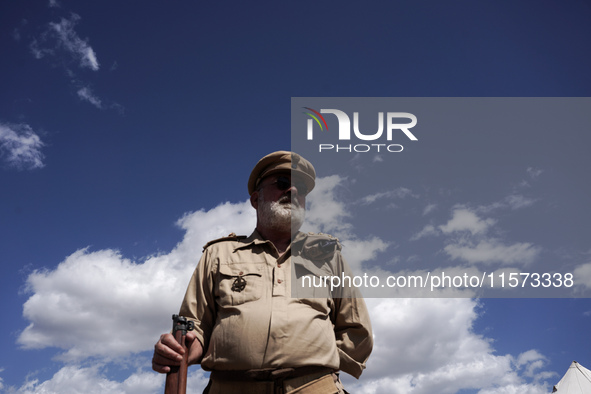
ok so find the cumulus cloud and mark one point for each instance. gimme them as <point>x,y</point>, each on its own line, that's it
<point>20,146</point>
<point>493,250</point>
<point>79,305</point>
<point>582,276</point>
<point>468,239</point>
<point>518,389</point>
<point>93,380</point>
<point>464,219</point>
<point>328,214</point>
<point>358,251</point>
<point>531,360</point>
<point>425,346</point>
<point>325,212</point>
<point>421,345</point>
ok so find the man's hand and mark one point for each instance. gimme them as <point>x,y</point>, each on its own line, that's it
<point>168,352</point>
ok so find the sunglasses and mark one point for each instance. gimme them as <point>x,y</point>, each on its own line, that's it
<point>283,183</point>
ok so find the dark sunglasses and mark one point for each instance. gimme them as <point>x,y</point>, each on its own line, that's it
<point>283,183</point>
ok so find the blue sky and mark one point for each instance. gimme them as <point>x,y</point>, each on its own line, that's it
<point>127,134</point>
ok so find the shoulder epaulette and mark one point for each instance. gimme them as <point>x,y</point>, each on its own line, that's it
<point>322,235</point>
<point>318,247</point>
<point>230,237</point>
<point>325,241</point>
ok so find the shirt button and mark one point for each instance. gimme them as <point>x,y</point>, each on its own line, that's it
<point>241,273</point>
<point>279,281</point>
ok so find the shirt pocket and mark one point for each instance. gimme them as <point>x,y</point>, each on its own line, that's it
<point>240,283</point>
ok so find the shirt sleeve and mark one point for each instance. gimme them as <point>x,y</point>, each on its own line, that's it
<point>199,304</point>
<point>352,329</point>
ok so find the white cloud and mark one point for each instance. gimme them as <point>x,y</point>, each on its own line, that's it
<point>358,251</point>
<point>68,39</point>
<point>429,208</point>
<point>60,41</point>
<point>468,237</point>
<point>326,213</point>
<point>534,172</point>
<point>62,36</point>
<point>39,52</point>
<point>20,146</point>
<point>102,306</point>
<point>493,250</point>
<point>518,389</point>
<point>582,276</point>
<point>105,292</point>
<point>517,201</point>
<point>425,346</point>
<point>86,94</point>
<point>528,357</point>
<point>428,230</point>
<point>93,380</point>
<point>400,192</point>
<point>512,201</point>
<point>464,219</point>
<point>531,360</point>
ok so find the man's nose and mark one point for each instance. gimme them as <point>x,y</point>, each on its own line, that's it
<point>293,189</point>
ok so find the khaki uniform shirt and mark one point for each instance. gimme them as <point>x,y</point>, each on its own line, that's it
<point>260,325</point>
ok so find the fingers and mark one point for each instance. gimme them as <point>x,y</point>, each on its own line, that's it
<point>160,368</point>
<point>167,352</point>
<point>169,343</point>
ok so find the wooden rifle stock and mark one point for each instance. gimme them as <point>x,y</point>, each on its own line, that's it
<point>176,379</point>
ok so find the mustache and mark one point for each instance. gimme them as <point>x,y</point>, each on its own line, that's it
<point>287,200</point>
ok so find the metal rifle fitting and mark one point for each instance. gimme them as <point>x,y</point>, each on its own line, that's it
<point>180,323</point>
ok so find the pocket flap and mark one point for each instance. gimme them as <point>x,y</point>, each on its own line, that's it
<point>242,269</point>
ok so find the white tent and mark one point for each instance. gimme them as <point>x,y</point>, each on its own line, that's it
<point>577,380</point>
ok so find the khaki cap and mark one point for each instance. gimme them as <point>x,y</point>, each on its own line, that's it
<point>282,161</point>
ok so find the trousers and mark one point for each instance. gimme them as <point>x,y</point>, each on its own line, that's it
<point>307,384</point>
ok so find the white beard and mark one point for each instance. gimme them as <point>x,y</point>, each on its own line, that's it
<point>281,215</point>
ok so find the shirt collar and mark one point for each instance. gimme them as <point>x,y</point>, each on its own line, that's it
<point>256,239</point>
<point>253,239</point>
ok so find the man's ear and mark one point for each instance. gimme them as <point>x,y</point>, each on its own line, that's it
<point>254,200</point>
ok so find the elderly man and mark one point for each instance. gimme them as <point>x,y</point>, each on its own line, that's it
<point>252,331</point>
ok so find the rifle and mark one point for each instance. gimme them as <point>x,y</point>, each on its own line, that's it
<point>176,379</point>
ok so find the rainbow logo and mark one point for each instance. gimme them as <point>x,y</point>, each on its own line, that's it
<point>315,116</point>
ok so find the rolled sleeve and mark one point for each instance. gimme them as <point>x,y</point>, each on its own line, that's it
<point>353,334</point>
<point>198,304</point>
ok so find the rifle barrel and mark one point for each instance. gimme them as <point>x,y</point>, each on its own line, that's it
<point>176,379</point>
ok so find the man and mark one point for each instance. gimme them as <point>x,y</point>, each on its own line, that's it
<point>250,330</point>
